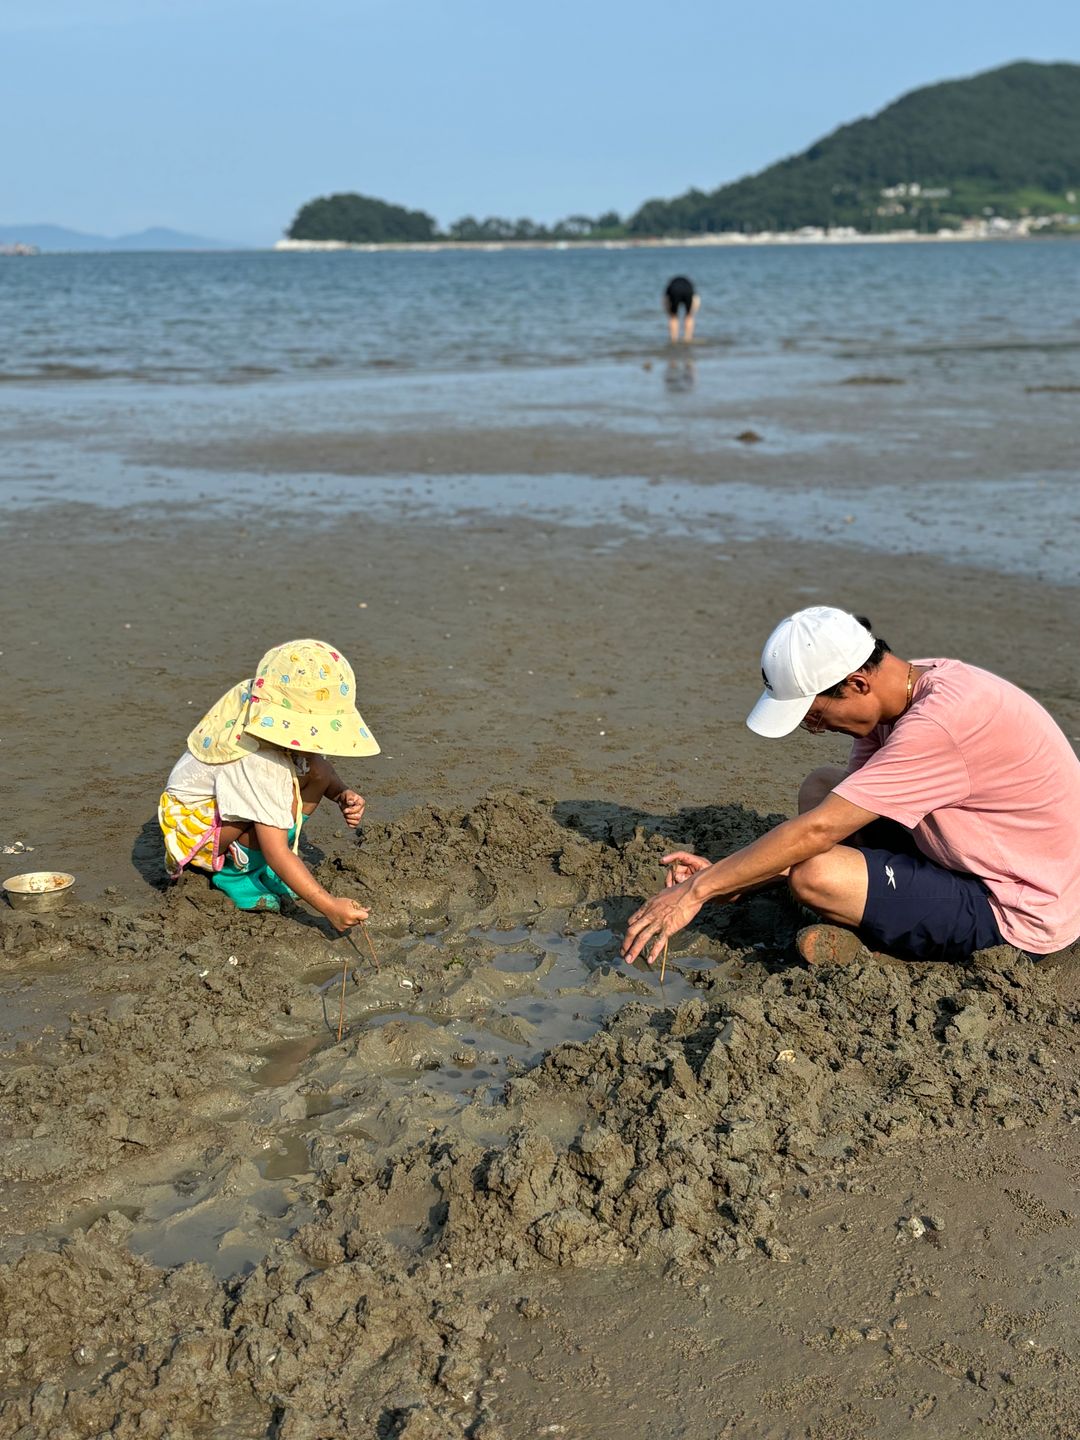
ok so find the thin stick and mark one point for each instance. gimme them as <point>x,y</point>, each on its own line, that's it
<point>344,978</point>
<point>663,956</point>
<point>341,1007</point>
<point>367,937</point>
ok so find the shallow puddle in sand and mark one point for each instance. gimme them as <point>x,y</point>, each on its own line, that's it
<point>546,987</point>
<point>450,1041</point>
<point>533,990</point>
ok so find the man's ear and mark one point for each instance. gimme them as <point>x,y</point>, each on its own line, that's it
<point>859,683</point>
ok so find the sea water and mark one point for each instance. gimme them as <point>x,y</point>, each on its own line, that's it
<point>890,383</point>
<point>246,317</point>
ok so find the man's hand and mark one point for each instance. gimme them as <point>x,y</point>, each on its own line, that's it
<point>682,865</point>
<point>352,807</point>
<point>658,919</point>
<point>344,913</point>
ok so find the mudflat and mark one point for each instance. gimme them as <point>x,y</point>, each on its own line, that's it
<point>531,1191</point>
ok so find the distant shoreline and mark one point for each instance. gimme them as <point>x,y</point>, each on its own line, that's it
<point>730,239</point>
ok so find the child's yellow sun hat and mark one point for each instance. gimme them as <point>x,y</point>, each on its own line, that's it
<point>301,697</point>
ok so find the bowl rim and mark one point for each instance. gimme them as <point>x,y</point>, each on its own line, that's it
<point>12,889</point>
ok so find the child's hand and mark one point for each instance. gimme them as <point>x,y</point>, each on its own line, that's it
<point>352,806</point>
<point>344,913</point>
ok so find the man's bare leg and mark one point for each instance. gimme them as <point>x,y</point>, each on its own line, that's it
<point>688,328</point>
<point>835,886</point>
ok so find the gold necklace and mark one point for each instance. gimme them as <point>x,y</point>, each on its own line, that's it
<point>910,686</point>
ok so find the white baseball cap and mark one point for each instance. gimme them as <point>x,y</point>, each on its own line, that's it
<point>806,654</point>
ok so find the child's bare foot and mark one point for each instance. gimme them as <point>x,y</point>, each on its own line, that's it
<point>830,945</point>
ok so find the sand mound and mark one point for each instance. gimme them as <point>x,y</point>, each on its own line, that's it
<point>673,1134</point>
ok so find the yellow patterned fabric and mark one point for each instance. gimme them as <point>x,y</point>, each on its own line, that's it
<point>301,697</point>
<point>190,833</point>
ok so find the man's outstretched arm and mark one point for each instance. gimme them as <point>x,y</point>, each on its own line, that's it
<point>768,858</point>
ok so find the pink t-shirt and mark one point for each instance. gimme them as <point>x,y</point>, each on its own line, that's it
<point>988,784</point>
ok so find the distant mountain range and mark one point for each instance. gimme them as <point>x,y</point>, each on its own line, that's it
<point>58,237</point>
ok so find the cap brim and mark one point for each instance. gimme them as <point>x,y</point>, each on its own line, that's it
<point>772,718</point>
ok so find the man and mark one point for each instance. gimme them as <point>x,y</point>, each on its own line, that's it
<point>681,295</point>
<point>976,789</point>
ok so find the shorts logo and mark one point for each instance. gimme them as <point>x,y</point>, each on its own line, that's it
<point>890,876</point>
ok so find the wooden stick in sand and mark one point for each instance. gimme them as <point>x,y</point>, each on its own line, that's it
<point>341,1007</point>
<point>367,937</point>
<point>345,975</point>
<point>663,957</point>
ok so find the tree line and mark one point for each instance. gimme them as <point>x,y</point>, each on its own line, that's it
<point>363,220</point>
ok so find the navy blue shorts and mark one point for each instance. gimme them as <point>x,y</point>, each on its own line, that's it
<point>917,908</point>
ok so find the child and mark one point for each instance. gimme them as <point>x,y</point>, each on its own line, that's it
<point>255,768</point>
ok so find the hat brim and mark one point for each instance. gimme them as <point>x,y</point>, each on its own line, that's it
<point>773,718</point>
<point>313,734</point>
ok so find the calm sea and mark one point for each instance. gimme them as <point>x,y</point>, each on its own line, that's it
<point>247,317</point>
<point>913,397</point>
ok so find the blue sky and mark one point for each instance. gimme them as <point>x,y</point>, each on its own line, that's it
<point>222,116</point>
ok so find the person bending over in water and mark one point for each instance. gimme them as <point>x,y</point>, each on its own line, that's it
<point>255,769</point>
<point>955,826</point>
<point>680,296</point>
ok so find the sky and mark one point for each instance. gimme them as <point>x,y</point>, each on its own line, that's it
<point>222,117</point>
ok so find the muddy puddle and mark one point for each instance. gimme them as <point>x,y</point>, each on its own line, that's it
<point>432,1039</point>
<point>558,985</point>
<point>415,1053</point>
<point>503,998</point>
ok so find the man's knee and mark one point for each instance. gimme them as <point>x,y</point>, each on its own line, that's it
<point>833,883</point>
<point>809,881</point>
<point>818,784</point>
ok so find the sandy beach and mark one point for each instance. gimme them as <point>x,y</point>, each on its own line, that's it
<point>415,1232</point>
<point>531,1191</point>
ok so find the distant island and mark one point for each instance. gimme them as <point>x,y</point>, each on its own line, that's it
<point>998,153</point>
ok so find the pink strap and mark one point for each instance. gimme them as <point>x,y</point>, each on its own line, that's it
<point>216,860</point>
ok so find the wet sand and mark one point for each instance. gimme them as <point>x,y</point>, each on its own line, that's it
<point>496,652</point>
<point>845,1201</point>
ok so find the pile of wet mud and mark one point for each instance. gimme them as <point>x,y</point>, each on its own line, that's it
<point>132,1027</point>
<point>522,851</point>
<point>696,1121</point>
<point>671,1132</point>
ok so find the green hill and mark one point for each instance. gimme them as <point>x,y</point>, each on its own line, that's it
<point>1006,141</point>
<point>360,220</point>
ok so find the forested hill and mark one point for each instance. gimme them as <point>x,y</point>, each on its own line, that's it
<point>360,219</point>
<point>1005,143</point>
<point>1007,139</point>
